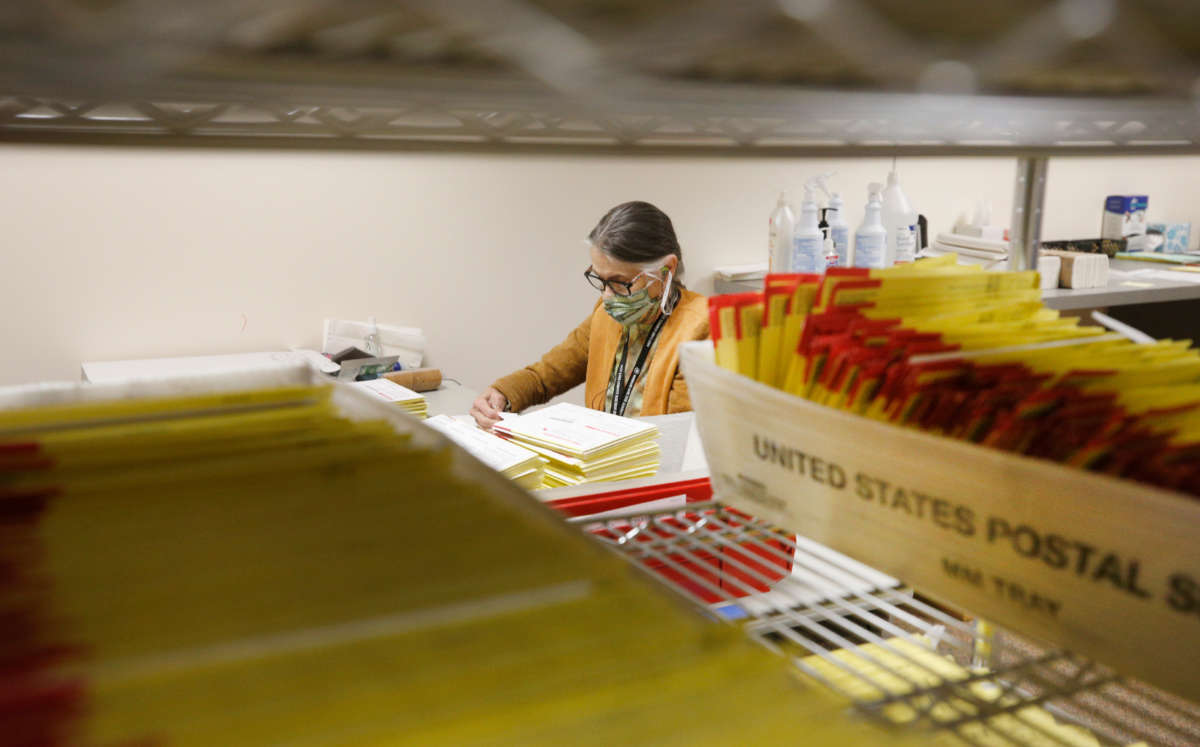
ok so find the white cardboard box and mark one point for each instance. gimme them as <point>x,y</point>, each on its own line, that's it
<point>1104,567</point>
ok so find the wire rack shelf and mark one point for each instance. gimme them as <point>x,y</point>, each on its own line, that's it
<point>898,658</point>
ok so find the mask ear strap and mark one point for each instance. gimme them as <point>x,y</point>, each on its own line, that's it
<point>666,295</point>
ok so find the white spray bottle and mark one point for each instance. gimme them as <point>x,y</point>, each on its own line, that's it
<point>779,241</point>
<point>871,238</point>
<point>900,220</point>
<point>807,244</point>
<point>839,229</point>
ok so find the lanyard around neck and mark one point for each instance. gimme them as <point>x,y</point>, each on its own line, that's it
<point>622,389</point>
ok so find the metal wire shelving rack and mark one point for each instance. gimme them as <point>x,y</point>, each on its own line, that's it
<point>762,77</point>
<point>737,569</point>
<point>1030,78</point>
<point>655,77</point>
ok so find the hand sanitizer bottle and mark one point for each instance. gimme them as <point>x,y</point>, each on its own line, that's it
<point>831,256</point>
<point>870,240</point>
<point>807,239</point>
<point>779,242</point>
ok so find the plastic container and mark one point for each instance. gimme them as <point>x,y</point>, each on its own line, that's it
<point>870,240</point>
<point>807,244</point>
<point>371,342</point>
<point>839,229</point>
<point>900,221</point>
<point>779,238</point>
<point>831,256</point>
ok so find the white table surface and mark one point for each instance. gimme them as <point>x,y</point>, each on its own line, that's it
<point>1130,282</point>
<point>450,399</point>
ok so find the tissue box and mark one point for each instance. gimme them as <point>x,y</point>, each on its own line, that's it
<point>1177,237</point>
<point>1124,215</point>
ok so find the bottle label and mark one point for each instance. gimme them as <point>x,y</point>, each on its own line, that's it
<point>906,243</point>
<point>841,238</point>
<point>868,250</point>
<point>806,253</point>
<point>841,243</point>
<point>779,249</point>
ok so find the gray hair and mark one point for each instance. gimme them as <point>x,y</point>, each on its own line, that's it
<point>639,233</point>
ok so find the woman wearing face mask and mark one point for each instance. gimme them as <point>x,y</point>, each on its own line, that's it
<point>626,351</point>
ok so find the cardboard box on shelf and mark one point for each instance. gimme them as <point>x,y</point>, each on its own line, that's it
<point>1124,215</point>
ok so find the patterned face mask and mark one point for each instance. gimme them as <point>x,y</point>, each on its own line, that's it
<point>629,310</point>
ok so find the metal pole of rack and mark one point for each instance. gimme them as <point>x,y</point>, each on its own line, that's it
<point>1028,196</point>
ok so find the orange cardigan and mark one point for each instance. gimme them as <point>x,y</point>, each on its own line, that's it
<point>587,356</point>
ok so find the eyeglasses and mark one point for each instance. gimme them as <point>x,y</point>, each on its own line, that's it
<point>618,287</point>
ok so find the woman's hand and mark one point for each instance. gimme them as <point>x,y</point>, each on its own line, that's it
<point>487,408</point>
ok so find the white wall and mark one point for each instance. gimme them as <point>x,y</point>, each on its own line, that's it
<point>1076,188</point>
<point>126,253</point>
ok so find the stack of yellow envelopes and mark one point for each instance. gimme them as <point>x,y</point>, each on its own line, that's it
<point>582,445</point>
<point>515,462</point>
<point>973,355</point>
<point>389,391</point>
<point>250,567</point>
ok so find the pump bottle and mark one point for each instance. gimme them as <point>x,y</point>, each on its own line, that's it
<point>870,240</point>
<point>807,255</point>
<point>830,258</point>
<point>779,241</point>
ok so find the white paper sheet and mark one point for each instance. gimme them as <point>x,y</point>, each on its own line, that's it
<point>493,451</point>
<point>1172,276</point>
<point>388,390</point>
<point>660,504</point>
<point>574,429</point>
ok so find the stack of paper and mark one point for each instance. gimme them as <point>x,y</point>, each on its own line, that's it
<point>753,271</point>
<point>249,567</point>
<point>392,393</point>
<point>580,445</point>
<point>1049,268</point>
<point>1164,257</point>
<point>1081,269</point>
<point>517,463</point>
<point>970,249</point>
